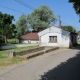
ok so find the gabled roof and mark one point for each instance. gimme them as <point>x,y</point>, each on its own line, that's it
<point>31,36</point>
<point>53,29</point>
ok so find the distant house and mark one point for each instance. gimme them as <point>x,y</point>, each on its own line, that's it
<point>55,36</point>
<point>29,38</point>
<point>79,37</point>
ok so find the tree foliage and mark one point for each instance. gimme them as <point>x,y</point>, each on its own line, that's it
<point>41,18</point>
<point>68,28</point>
<point>76,5</point>
<point>21,25</point>
<point>6,27</point>
<point>78,32</point>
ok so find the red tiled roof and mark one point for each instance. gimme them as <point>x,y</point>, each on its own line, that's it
<point>32,36</point>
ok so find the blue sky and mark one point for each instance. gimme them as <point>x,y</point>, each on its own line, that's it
<point>59,7</point>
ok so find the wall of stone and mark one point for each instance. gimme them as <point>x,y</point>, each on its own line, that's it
<point>21,53</point>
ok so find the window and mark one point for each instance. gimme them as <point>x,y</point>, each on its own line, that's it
<point>53,39</point>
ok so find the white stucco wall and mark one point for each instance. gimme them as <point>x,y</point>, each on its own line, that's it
<point>31,41</point>
<point>62,39</point>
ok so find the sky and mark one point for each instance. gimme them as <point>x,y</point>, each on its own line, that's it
<point>60,8</point>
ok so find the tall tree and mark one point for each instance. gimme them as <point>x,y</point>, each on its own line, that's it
<point>41,18</point>
<point>1,29</point>
<point>76,5</point>
<point>21,25</point>
<point>6,25</point>
<point>68,28</point>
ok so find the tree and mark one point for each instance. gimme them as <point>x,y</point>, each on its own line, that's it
<point>6,27</point>
<point>21,25</point>
<point>1,15</point>
<point>41,18</point>
<point>76,5</point>
<point>12,31</point>
<point>78,32</point>
<point>68,28</point>
<point>1,29</point>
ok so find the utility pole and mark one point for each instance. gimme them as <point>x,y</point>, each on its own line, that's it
<point>59,21</point>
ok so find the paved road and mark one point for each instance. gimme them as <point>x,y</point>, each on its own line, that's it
<point>62,65</point>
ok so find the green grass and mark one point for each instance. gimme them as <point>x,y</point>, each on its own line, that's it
<point>6,61</point>
<point>79,42</point>
<point>16,50</point>
<point>2,52</point>
<point>13,41</point>
<point>25,48</point>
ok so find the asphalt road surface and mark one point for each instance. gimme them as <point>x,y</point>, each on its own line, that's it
<point>56,65</point>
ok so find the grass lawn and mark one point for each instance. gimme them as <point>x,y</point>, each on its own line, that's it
<point>25,48</point>
<point>13,41</point>
<point>6,61</point>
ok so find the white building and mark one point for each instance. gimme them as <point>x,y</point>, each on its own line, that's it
<point>55,36</point>
<point>30,38</point>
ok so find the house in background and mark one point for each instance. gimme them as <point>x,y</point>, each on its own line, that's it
<point>73,39</point>
<point>29,38</point>
<point>78,37</point>
<point>55,36</point>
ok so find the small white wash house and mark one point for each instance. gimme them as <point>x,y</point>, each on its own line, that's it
<point>54,36</point>
<point>30,38</point>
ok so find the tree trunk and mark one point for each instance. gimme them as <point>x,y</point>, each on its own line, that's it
<point>5,39</point>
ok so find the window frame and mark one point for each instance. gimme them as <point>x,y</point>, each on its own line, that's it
<point>53,39</point>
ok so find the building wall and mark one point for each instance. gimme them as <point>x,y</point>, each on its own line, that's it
<point>29,41</point>
<point>62,39</point>
<point>74,40</point>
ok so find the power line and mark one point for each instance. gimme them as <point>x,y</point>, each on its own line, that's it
<point>23,3</point>
<point>11,9</point>
<point>30,7</point>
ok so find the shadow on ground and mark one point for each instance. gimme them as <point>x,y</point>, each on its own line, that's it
<point>69,70</point>
<point>76,47</point>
